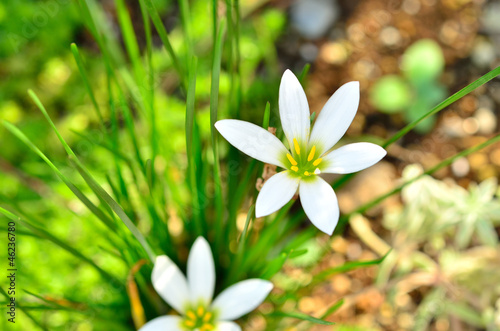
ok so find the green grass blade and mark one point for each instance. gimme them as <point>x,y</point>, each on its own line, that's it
<point>214,103</point>
<point>191,157</point>
<point>243,237</point>
<point>68,149</point>
<point>333,308</point>
<point>52,303</point>
<point>162,32</point>
<point>130,40</point>
<point>81,69</point>
<point>275,265</point>
<point>145,85</point>
<point>98,190</point>
<point>113,205</point>
<point>22,308</point>
<point>76,191</point>
<point>44,112</point>
<point>116,154</point>
<point>185,18</point>
<point>129,122</point>
<point>303,74</point>
<point>302,317</point>
<point>190,105</point>
<point>458,95</point>
<point>214,19</point>
<point>343,220</point>
<point>345,268</point>
<point>41,233</point>
<point>150,81</point>
<point>94,17</point>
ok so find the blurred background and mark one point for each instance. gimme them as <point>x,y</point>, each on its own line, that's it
<point>408,55</point>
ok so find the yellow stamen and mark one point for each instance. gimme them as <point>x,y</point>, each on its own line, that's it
<point>295,168</point>
<point>311,154</point>
<point>207,317</point>
<point>207,327</point>
<point>318,161</point>
<point>191,315</point>
<point>189,323</point>
<point>296,145</point>
<point>306,173</point>
<point>200,311</point>
<point>291,159</point>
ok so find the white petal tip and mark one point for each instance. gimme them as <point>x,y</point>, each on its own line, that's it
<point>353,84</point>
<point>218,124</point>
<point>289,77</point>
<point>269,286</point>
<point>328,231</point>
<point>160,259</point>
<point>327,227</point>
<point>200,241</point>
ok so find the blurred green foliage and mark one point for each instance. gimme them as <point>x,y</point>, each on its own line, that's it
<point>35,53</point>
<point>444,238</point>
<point>138,153</point>
<point>418,88</point>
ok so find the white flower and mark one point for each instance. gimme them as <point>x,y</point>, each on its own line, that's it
<point>309,153</point>
<point>192,297</point>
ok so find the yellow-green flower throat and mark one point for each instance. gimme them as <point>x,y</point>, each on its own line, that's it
<point>305,164</point>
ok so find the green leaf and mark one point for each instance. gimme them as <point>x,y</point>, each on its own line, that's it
<point>430,171</point>
<point>76,191</point>
<point>458,95</point>
<point>81,69</point>
<point>391,94</point>
<point>415,111</point>
<point>113,205</point>
<point>191,152</point>
<point>214,104</point>
<point>162,32</point>
<point>41,233</point>
<point>333,308</point>
<point>303,317</point>
<point>423,61</point>
<point>464,312</point>
<point>303,74</point>
<point>347,267</point>
<point>130,40</point>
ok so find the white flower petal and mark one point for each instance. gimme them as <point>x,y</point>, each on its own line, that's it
<point>253,141</point>
<point>335,117</point>
<point>320,203</point>
<point>275,193</point>
<point>353,157</point>
<point>241,298</point>
<point>201,271</point>
<point>170,283</point>
<point>294,109</point>
<point>163,323</point>
<point>228,326</point>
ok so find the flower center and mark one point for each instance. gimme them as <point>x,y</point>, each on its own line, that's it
<point>199,319</point>
<point>304,164</point>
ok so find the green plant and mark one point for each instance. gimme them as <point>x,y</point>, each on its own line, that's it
<point>144,171</point>
<point>429,249</point>
<point>417,89</point>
